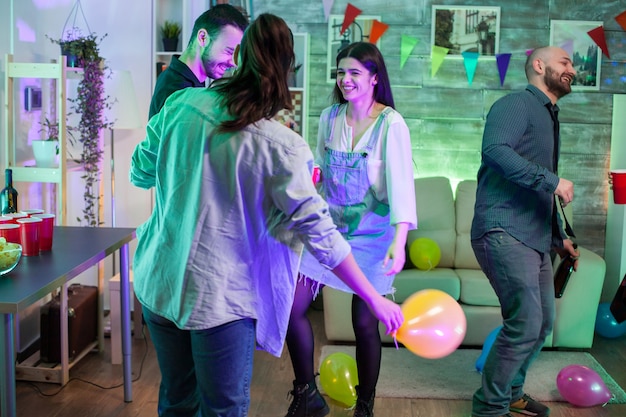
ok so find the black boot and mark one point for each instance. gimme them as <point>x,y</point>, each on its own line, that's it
<point>307,401</point>
<point>364,406</point>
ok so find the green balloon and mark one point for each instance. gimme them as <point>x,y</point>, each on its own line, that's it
<point>339,377</point>
<point>425,253</point>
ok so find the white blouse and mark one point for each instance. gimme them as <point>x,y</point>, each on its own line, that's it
<point>389,165</point>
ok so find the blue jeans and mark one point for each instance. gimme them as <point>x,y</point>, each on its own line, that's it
<point>523,281</point>
<point>204,373</point>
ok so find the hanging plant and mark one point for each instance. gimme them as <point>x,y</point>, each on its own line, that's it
<point>89,104</point>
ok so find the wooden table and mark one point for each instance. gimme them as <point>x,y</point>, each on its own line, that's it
<point>74,250</point>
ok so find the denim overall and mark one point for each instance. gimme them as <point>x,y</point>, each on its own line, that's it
<point>360,217</point>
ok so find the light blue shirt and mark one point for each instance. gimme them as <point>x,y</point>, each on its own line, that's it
<point>231,212</point>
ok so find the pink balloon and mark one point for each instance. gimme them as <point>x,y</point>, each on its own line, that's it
<point>582,386</point>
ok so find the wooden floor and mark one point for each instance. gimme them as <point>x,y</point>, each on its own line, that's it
<point>96,388</point>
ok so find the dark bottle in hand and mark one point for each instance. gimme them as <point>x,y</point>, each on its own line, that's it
<point>8,196</point>
<point>563,273</point>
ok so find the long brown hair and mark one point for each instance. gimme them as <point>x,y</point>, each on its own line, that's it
<point>258,89</point>
<point>370,57</point>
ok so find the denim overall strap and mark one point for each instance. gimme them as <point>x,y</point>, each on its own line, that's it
<point>359,216</point>
<point>346,187</point>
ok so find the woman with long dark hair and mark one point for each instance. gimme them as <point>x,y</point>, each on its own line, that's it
<point>364,151</point>
<point>216,263</point>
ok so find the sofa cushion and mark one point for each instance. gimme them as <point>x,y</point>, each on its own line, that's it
<point>435,217</point>
<point>464,210</point>
<point>476,289</point>
<point>410,281</point>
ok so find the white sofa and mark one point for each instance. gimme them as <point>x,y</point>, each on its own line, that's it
<point>447,220</point>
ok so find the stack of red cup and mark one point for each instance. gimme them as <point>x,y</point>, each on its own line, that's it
<point>9,229</point>
<point>33,229</point>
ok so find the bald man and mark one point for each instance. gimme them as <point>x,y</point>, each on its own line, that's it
<point>516,224</point>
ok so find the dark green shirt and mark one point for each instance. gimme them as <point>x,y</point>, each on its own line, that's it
<point>175,77</point>
<point>517,176</point>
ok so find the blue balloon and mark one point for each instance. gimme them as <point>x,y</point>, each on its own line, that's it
<point>606,325</point>
<point>491,337</point>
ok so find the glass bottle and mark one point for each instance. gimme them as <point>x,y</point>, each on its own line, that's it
<point>8,196</point>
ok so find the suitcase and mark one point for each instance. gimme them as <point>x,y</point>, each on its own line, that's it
<point>82,322</point>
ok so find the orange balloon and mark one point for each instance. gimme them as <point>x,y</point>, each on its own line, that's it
<point>434,324</point>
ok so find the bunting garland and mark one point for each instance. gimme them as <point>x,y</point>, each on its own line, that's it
<point>470,59</point>
<point>408,43</point>
<point>378,28</point>
<point>598,37</point>
<point>503,64</point>
<point>349,17</point>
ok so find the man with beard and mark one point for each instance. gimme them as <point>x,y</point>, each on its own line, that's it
<point>516,224</point>
<point>210,53</point>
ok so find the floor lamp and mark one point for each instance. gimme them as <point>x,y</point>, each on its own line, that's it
<point>122,114</point>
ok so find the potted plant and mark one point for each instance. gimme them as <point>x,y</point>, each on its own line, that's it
<point>46,149</point>
<point>89,105</point>
<point>170,32</point>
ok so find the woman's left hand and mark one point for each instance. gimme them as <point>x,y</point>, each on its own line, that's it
<point>396,256</point>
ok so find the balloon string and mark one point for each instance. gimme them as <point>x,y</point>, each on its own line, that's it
<point>611,399</point>
<point>395,340</point>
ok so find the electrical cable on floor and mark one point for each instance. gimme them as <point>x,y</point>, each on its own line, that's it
<point>145,354</point>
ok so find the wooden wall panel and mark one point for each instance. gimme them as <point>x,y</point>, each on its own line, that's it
<point>446,114</point>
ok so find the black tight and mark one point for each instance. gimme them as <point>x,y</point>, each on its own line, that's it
<point>368,346</point>
<point>300,334</point>
<point>301,344</point>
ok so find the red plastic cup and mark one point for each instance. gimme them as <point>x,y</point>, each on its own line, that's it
<point>10,231</point>
<point>15,216</point>
<point>30,212</point>
<point>29,235</point>
<point>46,229</point>
<point>618,177</point>
<point>317,174</point>
<point>5,219</point>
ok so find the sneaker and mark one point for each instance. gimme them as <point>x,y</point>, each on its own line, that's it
<point>529,407</point>
<point>307,401</point>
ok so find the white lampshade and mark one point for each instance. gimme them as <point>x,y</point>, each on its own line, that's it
<point>124,113</point>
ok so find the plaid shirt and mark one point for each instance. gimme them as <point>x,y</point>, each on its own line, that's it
<point>517,176</point>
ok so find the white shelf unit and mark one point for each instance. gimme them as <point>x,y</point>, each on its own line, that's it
<point>183,12</point>
<point>57,73</point>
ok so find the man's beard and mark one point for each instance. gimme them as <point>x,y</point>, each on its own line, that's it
<point>555,84</point>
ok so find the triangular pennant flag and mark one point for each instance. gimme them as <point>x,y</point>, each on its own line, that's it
<point>568,46</point>
<point>621,19</point>
<point>503,65</point>
<point>328,5</point>
<point>406,47</point>
<point>598,37</point>
<point>349,17</point>
<point>470,60</point>
<point>437,55</point>
<point>378,28</point>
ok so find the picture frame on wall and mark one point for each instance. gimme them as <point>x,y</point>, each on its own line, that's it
<point>245,6</point>
<point>466,29</point>
<point>358,31</point>
<point>572,36</point>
